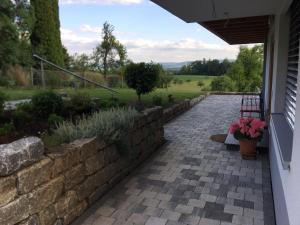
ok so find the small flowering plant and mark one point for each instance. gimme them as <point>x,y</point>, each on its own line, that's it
<point>247,129</point>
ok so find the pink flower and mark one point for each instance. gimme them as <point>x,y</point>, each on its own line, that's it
<point>233,127</point>
<point>248,127</point>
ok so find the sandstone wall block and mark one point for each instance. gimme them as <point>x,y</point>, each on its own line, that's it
<point>74,176</point>
<point>45,195</point>
<point>8,189</point>
<point>34,175</point>
<point>15,211</point>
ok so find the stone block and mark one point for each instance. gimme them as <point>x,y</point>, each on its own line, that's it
<point>20,153</point>
<point>45,195</point>
<point>8,190</point>
<point>66,203</point>
<point>14,212</point>
<point>111,154</point>
<point>33,220</point>
<point>34,175</point>
<point>90,184</point>
<point>74,176</point>
<point>48,216</point>
<point>75,212</point>
<point>94,163</point>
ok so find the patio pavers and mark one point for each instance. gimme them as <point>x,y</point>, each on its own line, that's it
<point>192,180</point>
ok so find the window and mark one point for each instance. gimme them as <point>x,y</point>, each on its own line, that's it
<point>293,59</point>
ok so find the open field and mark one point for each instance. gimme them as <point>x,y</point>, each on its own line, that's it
<point>178,91</point>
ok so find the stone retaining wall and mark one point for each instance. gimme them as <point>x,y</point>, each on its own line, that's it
<point>179,108</point>
<point>55,188</point>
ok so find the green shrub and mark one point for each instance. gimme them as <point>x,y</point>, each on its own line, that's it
<point>46,103</point>
<point>111,125</point>
<point>223,83</point>
<point>175,81</point>
<point>7,128</point>
<point>157,100</point>
<point>25,106</point>
<point>188,80</point>
<point>54,120</point>
<point>21,118</point>
<point>200,83</point>
<point>180,82</point>
<point>81,102</point>
<point>2,101</point>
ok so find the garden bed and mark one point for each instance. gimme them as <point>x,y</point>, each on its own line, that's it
<point>56,185</point>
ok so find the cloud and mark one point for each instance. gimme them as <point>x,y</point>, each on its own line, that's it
<point>90,29</point>
<point>140,49</point>
<point>101,2</point>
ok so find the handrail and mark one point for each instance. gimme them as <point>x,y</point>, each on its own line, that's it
<point>74,74</point>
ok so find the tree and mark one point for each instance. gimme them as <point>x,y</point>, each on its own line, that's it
<point>245,74</point>
<point>142,77</point>
<point>8,34</point>
<point>110,53</point>
<point>45,37</point>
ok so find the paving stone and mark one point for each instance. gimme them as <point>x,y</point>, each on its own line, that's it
<point>156,221</point>
<point>196,203</point>
<point>184,209</point>
<point>170,215</point>
<point>205,221</point>
<point>233,209</point>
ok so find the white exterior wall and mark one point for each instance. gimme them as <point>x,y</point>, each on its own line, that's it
<point>285,182</point>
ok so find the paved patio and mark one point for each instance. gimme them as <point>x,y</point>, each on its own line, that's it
<point>192,180</point>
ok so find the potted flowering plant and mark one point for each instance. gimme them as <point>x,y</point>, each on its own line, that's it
<point>248,131</point>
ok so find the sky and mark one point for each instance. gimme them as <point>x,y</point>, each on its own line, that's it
<point>149,32</point>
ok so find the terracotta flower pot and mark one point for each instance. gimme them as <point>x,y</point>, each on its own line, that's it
<point>248,149</point>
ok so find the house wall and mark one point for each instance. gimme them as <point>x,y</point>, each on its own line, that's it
<point>285,180</point>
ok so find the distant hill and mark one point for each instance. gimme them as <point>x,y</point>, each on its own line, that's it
<point>174,65</point>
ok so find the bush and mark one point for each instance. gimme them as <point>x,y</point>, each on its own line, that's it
<point>223,83</point>
<point>2,101</point>
<point>157,100</point>
<point>46,103</point>
<point>200,83</point>
<point>112,81</point>
<point>142,77</point>
<point>188,80</point>
<point>7,128</point>
<point>21,118</point>
<point>81,102</point>
<point>25,106</point>
<point>180,82</point>
<point>54,120</point>
<point>110,124</point>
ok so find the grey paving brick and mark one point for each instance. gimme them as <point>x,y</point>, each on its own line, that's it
<point>170,215</point>
<point>156,221</point>
<point>184,209</point>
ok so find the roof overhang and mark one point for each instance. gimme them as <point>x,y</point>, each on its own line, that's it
<point>235,21</point>
<point>240,30</point>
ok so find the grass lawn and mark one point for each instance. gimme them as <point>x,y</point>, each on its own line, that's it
<point>179,91</point>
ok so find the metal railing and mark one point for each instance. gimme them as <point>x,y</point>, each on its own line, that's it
<point>68,72</point>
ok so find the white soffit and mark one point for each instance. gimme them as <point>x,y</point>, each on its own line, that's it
<point>207,10</point>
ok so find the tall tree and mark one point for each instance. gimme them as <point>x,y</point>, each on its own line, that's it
<point>8,34</point>
<point>110,53</point>
<point>45,38</point>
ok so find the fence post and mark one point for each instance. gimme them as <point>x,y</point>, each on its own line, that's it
<point>43,74</point>
<point>31,76</point>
